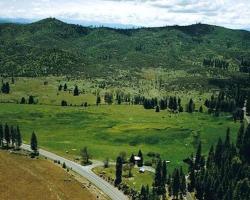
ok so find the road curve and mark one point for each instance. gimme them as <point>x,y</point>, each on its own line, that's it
<point>86,172</point>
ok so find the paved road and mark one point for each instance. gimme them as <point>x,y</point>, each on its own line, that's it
<point>86,172</point>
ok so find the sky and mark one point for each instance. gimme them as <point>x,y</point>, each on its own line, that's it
<point>149,13</point>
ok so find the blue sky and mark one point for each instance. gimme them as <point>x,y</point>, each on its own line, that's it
<point>228,13</point>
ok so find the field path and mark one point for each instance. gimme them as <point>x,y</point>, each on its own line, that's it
<point>86,172</point>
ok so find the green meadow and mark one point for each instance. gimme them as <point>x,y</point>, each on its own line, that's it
<point>108,130</point>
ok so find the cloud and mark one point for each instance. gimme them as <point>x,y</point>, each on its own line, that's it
<point>229,13</point>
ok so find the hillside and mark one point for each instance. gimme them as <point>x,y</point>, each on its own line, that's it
<point>26,178</point>
<point>53,47</point>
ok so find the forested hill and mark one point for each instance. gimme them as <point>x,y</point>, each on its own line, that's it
<point>53,47</point>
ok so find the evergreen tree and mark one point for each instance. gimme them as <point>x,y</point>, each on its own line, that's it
<point>64,103</point>
<point>31,100</point>
<point>119,100</point>
<point>227,142</point>
<point>176,183</point>
<point>7,135</point>
<point>140,162</point>
<point>23,101</point>
<point>85,156</point>
<point>183,184</point>
<point>198,157</point>
<point>118,172</point>
<point>191,184</point>
<point>210,158</point>
<point>76,91</point>
<point>191,106</point>
<point>60,87</point>
<point>98,100</point>
<point>158,178</point>
<point>248,105</point>
<point>33,143</point>
<point>5,88</point>
<point>218,152</point>
<point>65,87</point>
<point>240,136</point>
<point>245,147</point>
<point>18,138</point>
<point>157,109</point>
<point>201,109</point>
<point>1,135</point>
<point>143,194</point>
<point>12,136</point>
<point>164,172</point>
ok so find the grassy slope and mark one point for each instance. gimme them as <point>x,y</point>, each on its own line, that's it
<point>25,178</point>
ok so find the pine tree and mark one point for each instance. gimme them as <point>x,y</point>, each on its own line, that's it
<point>33,143</point>
<point>183,184</point>
<point>31,100</point>
<point>1,135</point>
<point>65,87</point>
<point>201,109</point>
<point>140,162</point>
<point>7,135</point>
<point>240,136</point>
<point>23,101</point>
<point>85,156</point>
<point>245,148</point>
<point>164,172</point>
<point>227,142</point>
<point>198,156</point>
<point>76,91</point>
<point>176,183</point>
<point>157,109</point>
<point>210,158</point>
<point>18,140</point>
<point>191,184</point>
<point>218,152</point>
<point>248,105</point>
<point>191,106</point>
<point>158,178</point>
<point>60,87</point>
<point>143,194</point>
<point>12,136</point>
<point>98,100</point>
<point>118,172</point>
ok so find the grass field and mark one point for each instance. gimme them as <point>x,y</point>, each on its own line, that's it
<point>108,130</point>
<point>24,178</point>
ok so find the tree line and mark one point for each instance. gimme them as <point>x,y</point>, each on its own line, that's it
<point>217,63</point>
<point>11,138</point>
<point>225,103</point>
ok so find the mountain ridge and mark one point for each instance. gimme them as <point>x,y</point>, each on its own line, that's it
<point>51,46</point>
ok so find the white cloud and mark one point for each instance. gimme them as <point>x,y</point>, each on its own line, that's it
<point>229,13</point>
